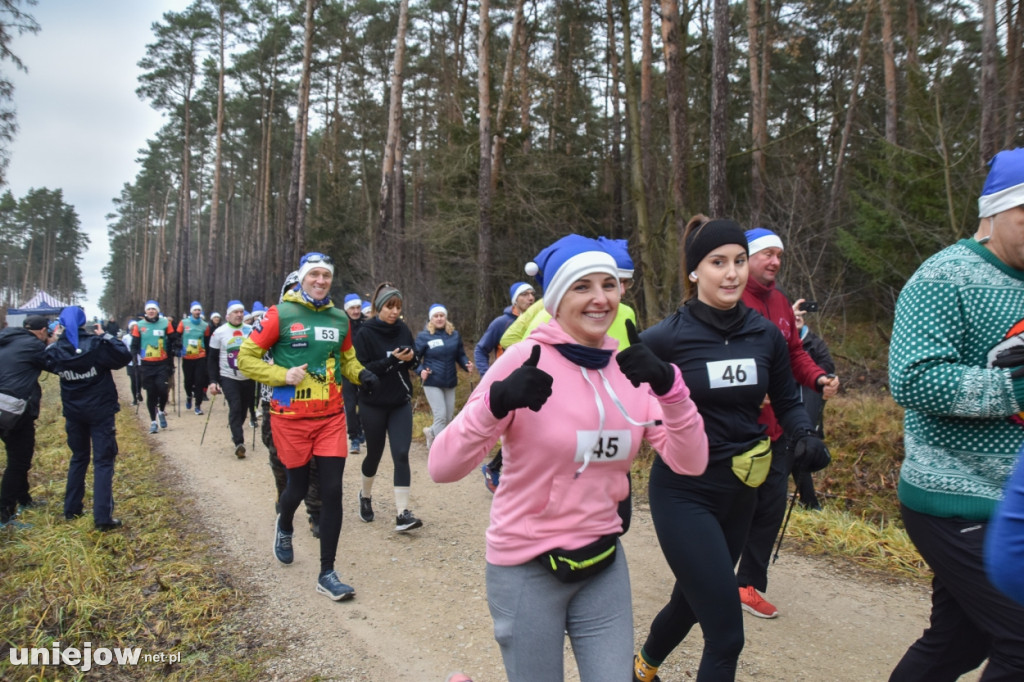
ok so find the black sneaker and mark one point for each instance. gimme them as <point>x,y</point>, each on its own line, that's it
<point>329,584</point>
<point>240,451</point>
<point>188,403</point>
<point>113,524</point>
<point>365,508</point>
<point>314,525</point>
<point>282,544</point>
<point>406,521</point>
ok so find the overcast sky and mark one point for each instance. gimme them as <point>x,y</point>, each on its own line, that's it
<point>80,122</point>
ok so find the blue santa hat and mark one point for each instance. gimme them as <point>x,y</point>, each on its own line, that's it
<point>71,318</point>
<point>366,309</point>
<point>619,248</point>
<point>353,300</point>
<point>196,305</point>
<point>1004,186</point>
<point>314,259</point>
<point>234,305</point>
<point>761,238</point>
<point>258,307</point>
<point>562,263</point>
<point>437,308</point>
<point>517,289</point>
<point>152,304</point>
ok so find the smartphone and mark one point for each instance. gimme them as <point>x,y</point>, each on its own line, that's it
<point>809,307</point>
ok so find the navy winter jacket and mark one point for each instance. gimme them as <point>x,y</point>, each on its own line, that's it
<point>491,340</point>
<point>86,384</point>
<point>21,361</point>
<point>439,352</point>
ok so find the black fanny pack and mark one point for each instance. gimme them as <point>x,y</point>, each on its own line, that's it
<point>572,565</point>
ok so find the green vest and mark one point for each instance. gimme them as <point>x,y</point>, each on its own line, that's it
<point>153,337</point>
<point>314,339</point>
<point>192,334</point>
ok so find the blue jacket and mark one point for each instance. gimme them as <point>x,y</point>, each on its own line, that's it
<point>491,340</point>
<point>439,352</point>
<point>86,384</point>
<point>21,361</point>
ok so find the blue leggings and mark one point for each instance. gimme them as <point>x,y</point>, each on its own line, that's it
<point>532,610</point>
<point>702,523</point>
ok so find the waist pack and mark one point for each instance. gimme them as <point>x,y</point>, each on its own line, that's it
<point>752,466</point>
<point>573,565</point>
<point>11,409</point>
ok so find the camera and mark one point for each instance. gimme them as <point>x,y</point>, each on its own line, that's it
<point>809,307</point>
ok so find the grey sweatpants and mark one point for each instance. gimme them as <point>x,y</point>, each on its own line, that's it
<point>442,406</point>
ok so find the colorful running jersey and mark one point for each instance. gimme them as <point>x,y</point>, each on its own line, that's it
<point>153,338</point>
<point>193,335</point>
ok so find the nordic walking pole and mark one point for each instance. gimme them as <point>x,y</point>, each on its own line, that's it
<point>257,399</point>
<point>782,533</point>
<point>209,411</point>
<point>180,388</point>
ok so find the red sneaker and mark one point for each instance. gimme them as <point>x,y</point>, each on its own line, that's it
<point>754,603</point>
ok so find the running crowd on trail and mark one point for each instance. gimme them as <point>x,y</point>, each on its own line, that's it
<point>729,391</point>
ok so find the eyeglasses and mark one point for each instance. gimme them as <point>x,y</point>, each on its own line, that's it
<point>317,258</point>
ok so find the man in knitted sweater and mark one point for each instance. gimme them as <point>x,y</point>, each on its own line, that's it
<point>956,364</point>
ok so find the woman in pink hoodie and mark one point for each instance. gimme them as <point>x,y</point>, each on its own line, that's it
<point>553,538</point>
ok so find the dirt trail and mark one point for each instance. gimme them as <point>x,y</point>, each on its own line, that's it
<point>420,610</point>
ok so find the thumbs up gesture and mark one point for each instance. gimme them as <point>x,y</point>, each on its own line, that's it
<point>641,365</point>
<point>527,386</point>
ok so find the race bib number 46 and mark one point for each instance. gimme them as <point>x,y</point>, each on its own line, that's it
<point>326,334</point>
<point>604,446</point>
<point>732,373</point>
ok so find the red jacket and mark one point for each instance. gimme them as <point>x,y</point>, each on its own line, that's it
<point>774,305</point>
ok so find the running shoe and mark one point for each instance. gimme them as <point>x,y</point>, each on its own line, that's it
<point>490,477</point>
<point>314,525</point>
<point>406,521</point>
<point>199,410</point>
<point>154,427</point>
<point>188,403</point>
<point>428,434</point>
<point>240,451</point>
<point>162,418</point>
<point>365,508</point>
<point>282,544</point>
<point>15,524</point>
<point>353,447</point>
<point>754,603</point>
<point>329,584</point>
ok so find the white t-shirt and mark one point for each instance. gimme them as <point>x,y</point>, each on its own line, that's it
<point>228,339</point>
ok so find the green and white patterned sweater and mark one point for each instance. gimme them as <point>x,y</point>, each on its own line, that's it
<point>961,428</point>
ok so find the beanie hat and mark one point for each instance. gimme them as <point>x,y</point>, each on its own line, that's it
<point>437,308</point>
<point>761,238</point>
<point>517,289</point>
<point>215,314</point>
<point>366,309</point>
<point>709,236</point>
<point>258,309</point>
<point>195,305</point>
<point>152,304</point>
<point>353,300</point>
<point>386,294</point>
<point>619,248</point>
<point>562,263</point>
<point>1004,186</point>
<point>289,283</point>
<point>71,318</point>
<point>314,259</point>
<point>234,305</point>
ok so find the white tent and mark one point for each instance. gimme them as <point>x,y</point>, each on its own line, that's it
<point>40,304</point>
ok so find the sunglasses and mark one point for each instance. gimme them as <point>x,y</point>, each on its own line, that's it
<point>317,258</point>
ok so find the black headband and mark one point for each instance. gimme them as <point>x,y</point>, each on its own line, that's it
<point>709,236</point>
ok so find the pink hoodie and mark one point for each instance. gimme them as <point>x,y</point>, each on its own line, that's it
<point>550,495</point>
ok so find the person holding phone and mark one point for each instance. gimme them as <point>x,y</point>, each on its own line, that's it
<point>385,347</point>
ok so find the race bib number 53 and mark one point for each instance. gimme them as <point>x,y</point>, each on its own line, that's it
<point>326,334</point>
<point>732,373</point>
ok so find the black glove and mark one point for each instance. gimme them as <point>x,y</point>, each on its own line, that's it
<point>527,386</point>
<point>369,380</point>
<point>1011,357</point>
<point>810,453</point>
<point>641,365</point>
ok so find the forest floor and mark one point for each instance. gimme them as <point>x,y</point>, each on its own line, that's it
<point>420,610</point>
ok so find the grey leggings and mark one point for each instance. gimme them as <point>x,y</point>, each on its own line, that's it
<point>532,611</point>
<point>442,406</point>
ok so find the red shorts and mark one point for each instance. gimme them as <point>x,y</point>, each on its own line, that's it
<point>297,440</point>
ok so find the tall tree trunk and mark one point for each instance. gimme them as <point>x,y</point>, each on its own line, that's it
<point>615,185</point>
<point>758,39</point>
<point>1014,35</point>
<point>648,269</point>
<point>498,144</point>
<point>392,152</point>
<point>889,59</point>
<point>483,249</point>
<point>296,241</point>
<point>989,135</point>
<point>675,85</point>
<point>718,138</point>
<point>211,249</point>
<point>646,95</point>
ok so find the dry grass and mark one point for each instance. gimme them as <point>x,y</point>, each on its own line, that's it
<point>159,584</point>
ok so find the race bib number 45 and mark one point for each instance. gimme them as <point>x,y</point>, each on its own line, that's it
<point>326,334</point>
<point>732,373</point>
<point>604,446</point>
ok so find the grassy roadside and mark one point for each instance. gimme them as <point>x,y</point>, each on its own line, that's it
<point>159,584</point>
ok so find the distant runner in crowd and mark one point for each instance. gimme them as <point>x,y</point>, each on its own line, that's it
<point>440,350</point>
<point>155,339</point>
<point>349,391</point>
<point>225,375</point>
<point>195,338</point>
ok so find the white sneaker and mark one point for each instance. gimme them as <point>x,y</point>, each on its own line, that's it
<point>428,433</point>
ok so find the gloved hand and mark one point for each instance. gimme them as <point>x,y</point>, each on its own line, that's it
<point>369,380</point>
<point>641,365</point>
<point>810,453</point>
<point>527,386</point>
<point>1011,358</point>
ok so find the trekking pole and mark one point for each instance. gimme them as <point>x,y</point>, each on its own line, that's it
<point>180,389</point>
<point>209,411</point>
<point>257,399</point>
<point>782,533</point>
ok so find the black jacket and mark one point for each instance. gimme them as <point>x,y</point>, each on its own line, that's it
<point>86,384</point>
<point>716,368</point>
<point>21,361</point>
<point>373,344</point>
